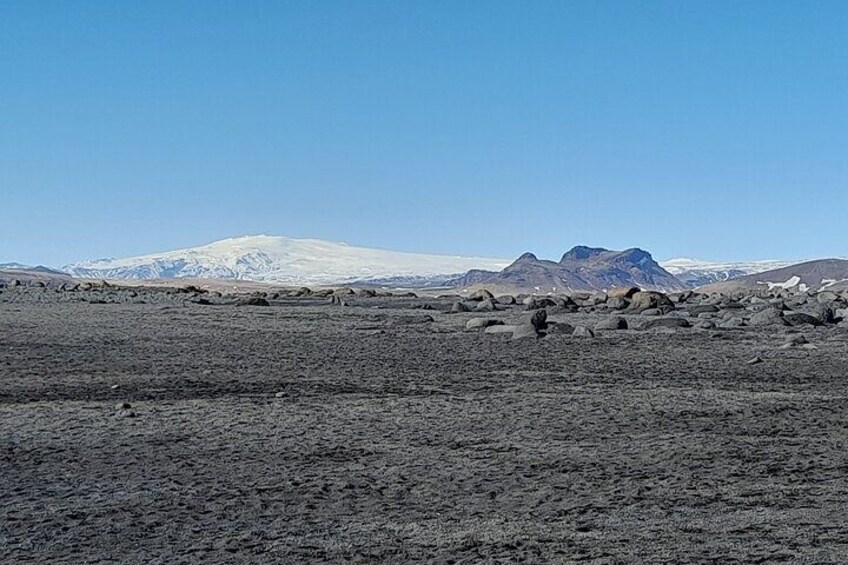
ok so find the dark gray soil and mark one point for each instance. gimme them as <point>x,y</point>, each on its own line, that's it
<point>305,432</point>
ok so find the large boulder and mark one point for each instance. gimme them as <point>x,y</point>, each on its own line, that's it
<point>459,307</point>
<point>646,300</point>
<point>769,317</point>
<point>801,319</point>
<point>525,331</point>
<point>481,294</point>
<point>536,303</point>
<point>538,319</point>
<point>623,292</point>
<point>486,305</point>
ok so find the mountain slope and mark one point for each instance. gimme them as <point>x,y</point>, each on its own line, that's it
<point>810,275</point>
<point>694,273</point>
<point>283,260</point>
<point>580,269</point>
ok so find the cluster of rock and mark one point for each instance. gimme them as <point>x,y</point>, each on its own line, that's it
<point>655,310</point>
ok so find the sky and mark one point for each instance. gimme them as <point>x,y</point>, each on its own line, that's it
<point>708,129</point>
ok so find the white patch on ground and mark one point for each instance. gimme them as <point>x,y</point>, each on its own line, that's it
<point>792,281</point>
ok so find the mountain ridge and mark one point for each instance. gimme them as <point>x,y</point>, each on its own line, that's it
<point>581,268</point>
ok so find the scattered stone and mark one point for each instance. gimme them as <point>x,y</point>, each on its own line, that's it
<point>280,394</point>
<point>561,328</point>
<point>702,309</point>
<point>499,329</point>
<point>666,323</point>
<point>624,292</point>
<point>253,301</point>
<point>525,331</point>
<point>796,341</point>
<point>481,294</point>
<point>459,307</point>
<point>411,320</point>
<point>612,323</point>
<point>768,317</point>
<point>801,319</point>
<point>486,305</point>
<point>537,303</point>
<point>645,300</point>
<point>617,303</point>
<point>477,323</point>
<point>755,361</point>
<point>582,331</point>
<point>732,323</point>
<point>538,319</point>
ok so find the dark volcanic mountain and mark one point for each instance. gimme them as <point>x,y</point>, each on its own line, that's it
<point>580,269</point>
<point>812,275</point>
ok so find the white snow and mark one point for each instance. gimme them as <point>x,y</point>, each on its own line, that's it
<point>283,260</point>
<point>683,265</point>
<point>789,283</point>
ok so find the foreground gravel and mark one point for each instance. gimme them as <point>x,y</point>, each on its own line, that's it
<point>304,432</point>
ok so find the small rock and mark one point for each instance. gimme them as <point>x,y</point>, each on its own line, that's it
<point>613,323</point>
<point>477,323</point>
<point>525,331</point>
<point>755,361</point>
<point>582,331</point>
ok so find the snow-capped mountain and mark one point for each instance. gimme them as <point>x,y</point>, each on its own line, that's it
<point>287,261</point>
<point>694,273</point>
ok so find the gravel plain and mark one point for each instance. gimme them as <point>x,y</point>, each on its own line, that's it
<point>307,432</point>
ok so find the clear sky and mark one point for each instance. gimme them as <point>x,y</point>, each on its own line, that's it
<point>707,129</point>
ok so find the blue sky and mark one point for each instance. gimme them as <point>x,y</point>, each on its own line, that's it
<point>716,130</point>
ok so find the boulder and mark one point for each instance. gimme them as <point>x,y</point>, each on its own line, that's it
<point>459,307</point>
<point>612,323</point>
<point>477,323</point>
<point>560,328</point>
<point>801,318</point>
<point>666,323</point>
<point>582,331</point>
<point>481,294</point>
<point>623,292</point>
<point>645,300</point>
<point>537,303</point>
<point>732,323</point>
<point>506,300</point>
<point>499,329</point>
<point>768,317</point>
<point>253,301</point>
<point>486,305</point>
<point>617,303</point>
<point>525,331</point>
<point>538,319</point>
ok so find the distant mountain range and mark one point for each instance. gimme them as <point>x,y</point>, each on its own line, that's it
<point>289,261</point>
<point>580,269</point>
<point>816,276</point>
<point>694,273</point>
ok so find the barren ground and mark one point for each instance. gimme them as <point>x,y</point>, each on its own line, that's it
<point>397,441</point>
